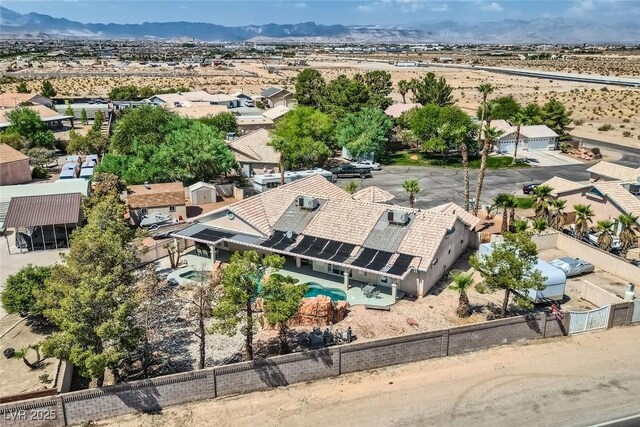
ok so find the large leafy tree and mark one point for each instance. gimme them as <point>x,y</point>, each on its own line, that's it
<point>364,132</point>
<point>506,107</point>
<point>433,90</point>
<point>510,267</point>
<point>21,288</point>
<point>48,91</point>
<point>300,137</point>
<point>343,95</point>
<point>126,92</point>
<point>28,124</point>
<point>441,129</point>
<point>310,86</point>
<point>380,86</point>
<point>90,297</point>
<point>555,115</point>
<point>282,297</point>
<point>94,142</point>
<point>222,122</point>
<point>242,281</point>
<point>144,125</point>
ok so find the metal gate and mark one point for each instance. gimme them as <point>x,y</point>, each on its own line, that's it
<point>636,312</point>
<point>582,321</point>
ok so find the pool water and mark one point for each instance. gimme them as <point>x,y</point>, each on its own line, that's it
<point>192,274</point>
<point>314,289</point>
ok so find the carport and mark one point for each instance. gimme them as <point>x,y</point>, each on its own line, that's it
<point>43,222</point>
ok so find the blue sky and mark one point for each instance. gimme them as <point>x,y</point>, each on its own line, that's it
<point>386,12</point>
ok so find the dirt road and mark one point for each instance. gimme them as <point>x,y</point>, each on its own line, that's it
<point>576,381</point>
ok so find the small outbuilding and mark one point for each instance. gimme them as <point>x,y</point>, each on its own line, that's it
<point>14,166</point>
<point>203,192</point>
<point>166,199</point>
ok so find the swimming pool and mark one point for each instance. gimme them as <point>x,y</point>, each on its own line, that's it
<point>314,289</point>
<point>194,274</point>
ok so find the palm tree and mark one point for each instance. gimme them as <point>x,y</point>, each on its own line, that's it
<point>539,225</point>
<point>412,187</point>
<point>413,87</point>
<point>628,239</point>
<point>605,240</point>
<point>490,135</point>
<point>584,213</point>
<point>518,120</point>
<point>461,283</point>
<point>404,86</point>
<point>557,213</point>
<point>511,203</point>
<point>351,187</point>
<point>520,225</point>
<point>501,200</point>
<point>543,196</point>
<point>461,134</point>
<point>484,89</point>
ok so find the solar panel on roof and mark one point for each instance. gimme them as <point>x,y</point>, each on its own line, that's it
<point>211,235</point>
<point>401,265</point>
<point>285,242</point>
<point>365,257</point>
<point>380,261</point>
<point>343,253</point>
<point>273,240</point>
<point>304,244</point>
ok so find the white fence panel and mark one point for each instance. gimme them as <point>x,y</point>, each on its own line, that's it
<point>636,312</point>
<point>582,321</point>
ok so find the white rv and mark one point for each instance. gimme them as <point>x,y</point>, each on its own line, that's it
<point>272,180</point>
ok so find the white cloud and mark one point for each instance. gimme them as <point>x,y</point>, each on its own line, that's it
<point>441,7</point>
<point>402,5</point>
<point>491,7</point>
<point>300,5</point>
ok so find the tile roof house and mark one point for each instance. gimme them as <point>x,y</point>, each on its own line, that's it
<point>14,99</point>
<point>276,112</point>
<point>373,194</point>
<point>612,171</point>
<point>254,154</point>
<point>274,96</point>
<point>14,166</point>
<point>51,117</point>
<point>532,137</point>
<point>396,110</point>
<point>313,221</point>
<point>163,198</point>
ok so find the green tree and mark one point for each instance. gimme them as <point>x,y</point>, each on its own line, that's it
<point>310,86</point>
<point>83,117</point>
<point>22,87</point>
<point>485,89</point>
<point>21,288</point>
<point>605,239</point>
<point>464,134</point>
<point>533,112</point>
<point>48,91</point>
<point>555,115</point>
<point>520,225</point>
<point>242,282</point>
<point>543,195</point>
<point>144,125</point>
<point>403,88</point>
<point>539,225</point>
<point>28,124</point>
<point>432,90</point>
<point>490,135</point>
<point>510,267</point>
<point>557,218</point>
<point>462,282</point>
<point>282,297</point>
<point>124,93</point>
<point>94,142</point>
<point>441,129</point>
<point>98,119</point>
<point>518,120</point>
<point>13,139</point>
<point>343,95</point>
<point>91,298</point>
<point>222,122</point>
<point>380,86</point>
<point>300,137</point>
<point>584,213</point>
<point>412,187</point>
<point>506,107</point>
<point>502,201</point>
<point>365,132</point>
<point>351,187</point>
<point>69,111</point>
<point>628,239</point>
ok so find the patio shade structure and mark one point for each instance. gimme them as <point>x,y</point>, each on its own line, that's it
<point>45,213</point>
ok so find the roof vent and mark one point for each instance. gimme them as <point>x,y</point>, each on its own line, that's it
<point>307,203</point>
<point>146,185</point>
<point>398,217</point>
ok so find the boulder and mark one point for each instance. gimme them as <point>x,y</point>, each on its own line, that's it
<point>319,311</point>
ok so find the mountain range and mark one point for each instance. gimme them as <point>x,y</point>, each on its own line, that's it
<point>540,30</point>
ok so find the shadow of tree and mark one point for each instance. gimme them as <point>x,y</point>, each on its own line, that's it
<point>143,399</point>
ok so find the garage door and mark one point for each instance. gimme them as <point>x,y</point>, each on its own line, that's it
<point>507,147</point>
<point>538,145</point>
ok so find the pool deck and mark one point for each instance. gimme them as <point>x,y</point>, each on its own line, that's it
<point>304,274</point>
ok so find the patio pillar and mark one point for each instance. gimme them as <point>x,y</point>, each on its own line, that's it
<point>298,262</point>
<point>212,249</point>
<point>346,280</point>
<point>394,291</point>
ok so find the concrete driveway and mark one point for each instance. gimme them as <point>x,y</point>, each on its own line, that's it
<point>549,158</point>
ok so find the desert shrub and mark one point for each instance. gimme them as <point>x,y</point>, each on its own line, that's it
<point>606,127</point>
<point>626,120</point>
<point>578,122</point>
<point>39,172</point>
<point>595,151</point>
<point>626,134</point>
<point>565,147</point>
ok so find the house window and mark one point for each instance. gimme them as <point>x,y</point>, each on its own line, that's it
<point>384,279</point>
<point>172,208</point>
<point>272,184</point>
<point>224,244</point>
<point>144,211</point>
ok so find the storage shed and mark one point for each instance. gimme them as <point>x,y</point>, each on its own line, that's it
<point>202,192</point>
<point>555,278</point>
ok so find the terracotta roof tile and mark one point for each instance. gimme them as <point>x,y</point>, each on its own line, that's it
<point>619,195</point>
<point>615,171</point>
<point>561,185</point>
<point>253,148</point>
<point>373,194</point>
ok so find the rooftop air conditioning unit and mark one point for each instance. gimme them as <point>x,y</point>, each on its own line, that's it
<point>308,203</point>
<point>398,217</point>
<point>634,189</point>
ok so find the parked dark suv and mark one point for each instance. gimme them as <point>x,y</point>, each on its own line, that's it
<point>350,171</point>
<point>528,188</point>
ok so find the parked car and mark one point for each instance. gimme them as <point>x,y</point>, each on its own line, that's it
<point>367,164</point>
<point>593,239</point>
<point>572,266</point>
<point>350,171</point>
<point>528,188</point>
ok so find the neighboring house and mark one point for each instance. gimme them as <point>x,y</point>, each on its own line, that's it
<point>228,101</point>
<point>396,110</point>
<point>200,111</point>
<point>274,96</point>
<point>254,154</point>
<point>244,99</point>
<point>202,192</point>
<point>248,124</point>
<point>14,99</point>
<point>532,138</point>
<point>164,198</point>
<point>50,117</point>
<point>14,166</point>
<point>276,112</point>
<point>608,199</point>
<point>607,171</point>
<point>318,227</point>
<point>373,194</point>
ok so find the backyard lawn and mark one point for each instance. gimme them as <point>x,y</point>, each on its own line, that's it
<point>410,158</point>
<point>524,202</point>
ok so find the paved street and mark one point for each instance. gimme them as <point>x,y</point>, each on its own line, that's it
<point>581,380</point>
<point>440,185</point>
